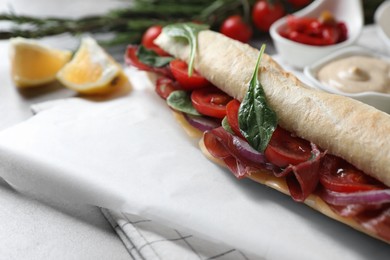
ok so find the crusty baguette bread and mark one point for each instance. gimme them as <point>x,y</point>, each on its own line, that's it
<point>345,127</point>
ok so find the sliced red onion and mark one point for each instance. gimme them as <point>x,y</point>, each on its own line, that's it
<point>247,151</point>
<point>371,197</point>
<point>201,123</point>
<point>234,151</point>
<point>238,147</point>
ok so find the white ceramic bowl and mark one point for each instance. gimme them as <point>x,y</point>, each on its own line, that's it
<point>382,21</point>
<point>300,55</point>
<point>379,100</point>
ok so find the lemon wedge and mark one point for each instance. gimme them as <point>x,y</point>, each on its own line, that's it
<point>34,64</point>
<point>92,70</point>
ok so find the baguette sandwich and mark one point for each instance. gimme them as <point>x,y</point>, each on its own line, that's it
<point>345,173</point>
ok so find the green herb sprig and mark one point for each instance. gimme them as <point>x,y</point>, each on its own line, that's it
<point>127,24</point>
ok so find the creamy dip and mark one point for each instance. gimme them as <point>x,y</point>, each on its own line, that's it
<point>357,74</point>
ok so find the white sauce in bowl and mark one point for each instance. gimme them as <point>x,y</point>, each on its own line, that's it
<point>357,74</point>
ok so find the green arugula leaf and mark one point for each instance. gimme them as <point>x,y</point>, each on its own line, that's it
<point>188,32</point>
<point>151,58</point>
<point>180,100</point>
<point>256,119</point>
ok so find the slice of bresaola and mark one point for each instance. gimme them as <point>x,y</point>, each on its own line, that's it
<point>332,122</point>
<point>302,181</point>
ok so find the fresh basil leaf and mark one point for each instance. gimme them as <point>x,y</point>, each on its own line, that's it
<point>256,119</point>
<point>180,100</point>
<point>151,58</point>
<point>188,32</point>
<point>225,124</point>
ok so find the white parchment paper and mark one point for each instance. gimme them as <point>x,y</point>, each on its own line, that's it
<point>129,154</point>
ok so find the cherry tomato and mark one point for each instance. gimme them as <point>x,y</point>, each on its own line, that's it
<point>210,101</point>
<point>179,70</point>
<point>232,116</point>
<point>165,86</point>
<point>264,14</point>
<point>299,3</point>
<point>235,28</point>
<point>285,149</point>
<point>148,39</point>
<point>340,176</point>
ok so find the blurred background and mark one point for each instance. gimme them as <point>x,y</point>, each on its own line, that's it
<point>126,20</point>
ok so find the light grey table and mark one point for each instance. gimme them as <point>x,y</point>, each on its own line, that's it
<point>49,230</point>
<point>46,230</point>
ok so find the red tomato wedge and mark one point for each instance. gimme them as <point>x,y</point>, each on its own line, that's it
<point>165,86</point>
<point>312,31</point>
<point>232,116</point>
<point>210,101</point>
<point>179,70</point>
<point>308,25</point>
<point>340,176</point>
<point>285,149</point>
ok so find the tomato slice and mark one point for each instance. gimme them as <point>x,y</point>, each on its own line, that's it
<point>285,149</point>
<point>165,86</point>
<point>232,116</point>
<point>180,71</point>
<point>210,101</point>
<point>148,39</point>
<point>340,176</point>
<point>132,59</point>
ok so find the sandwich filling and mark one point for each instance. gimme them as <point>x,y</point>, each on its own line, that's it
<point>305,168</point>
